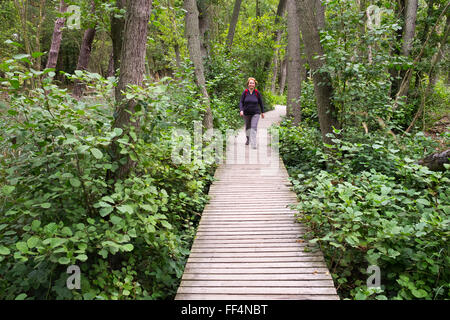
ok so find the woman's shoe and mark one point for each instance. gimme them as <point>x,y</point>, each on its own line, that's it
<point>247,141</point>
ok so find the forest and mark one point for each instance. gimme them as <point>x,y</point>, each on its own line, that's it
<point>92,90</point>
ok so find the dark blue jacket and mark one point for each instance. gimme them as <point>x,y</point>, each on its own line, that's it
<point>251,103</point>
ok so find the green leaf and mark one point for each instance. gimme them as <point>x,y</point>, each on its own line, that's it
<point>423,201</point>
<point>118,131</point>
<point>116,219</point>
<point>75,182</point>
<point>82,257</point>
<point>126,292</point>
<point>7,190</point>
<point>105,211</point>
<point>15,84</point>
<point>128,247</point>
<point>46,205</point>
<point>96,153</point>
<point>108,199</point>
<point>4,250</point>
<point>32,242</point>
<point>166,224</point>
<point>56,242</point>
<point>35,225</point>
<point>37,54</point>
<point>125,208</point>
<point>67,231</point>
<point>21,296</point>
<point>360,296</point>
<point>22,247</point>
<point>70,141</point>
<point>63,260</point>
<point>420,293</point>
<point>21,56</point>
<point>103,253</point>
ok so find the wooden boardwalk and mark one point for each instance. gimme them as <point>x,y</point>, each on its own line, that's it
<point>248,244</point>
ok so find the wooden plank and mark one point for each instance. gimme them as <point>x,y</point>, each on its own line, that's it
<point>238,227</point>
<point>255,237</point>
<point>252,250</point>
<point>245,224</point>
<point>258,277</point>
<point>259,290</point>
<point>253,260</point>
<point>252,265</point>
<point>257,283</point>
<point>245,232</point>
<point>251,271</point>
<point>263,254</point>
<point>207,296</point>
<point>247,218</point>
<point>248,243</point>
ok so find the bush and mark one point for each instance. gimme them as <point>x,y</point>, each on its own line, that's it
<point>130,238</point>
<point>366,202</point>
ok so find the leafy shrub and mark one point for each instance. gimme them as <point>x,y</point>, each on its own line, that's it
<point>366,202</point>
<point>130,238</point>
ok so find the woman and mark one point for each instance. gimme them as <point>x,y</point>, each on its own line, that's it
<point>251,107</point>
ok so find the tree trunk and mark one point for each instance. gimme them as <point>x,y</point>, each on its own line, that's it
<point>436,161</point>
<point>233,23</point>
<point>117,26</point>
<point>110,71</point>
<point>275,68</point>
<point>203,26</point>
<point>38,64</point>
<point>56,38</point>
<point>322,80</point>
<point>84,56</point>
<point>396,76</point>
<point>132,70</point>
<point>193,38</point>
<point>410,26</point>
<point>278,33</point>
<point>293,68</point>
<point>320,14</point>
<point>283,75</point>
<point>275,36</point>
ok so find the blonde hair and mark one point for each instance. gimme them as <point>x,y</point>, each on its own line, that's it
<point>248,80</point>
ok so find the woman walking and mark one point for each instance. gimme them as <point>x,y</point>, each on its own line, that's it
<point>251,107</point>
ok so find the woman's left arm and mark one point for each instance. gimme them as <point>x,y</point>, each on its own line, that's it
<point>262,105</point>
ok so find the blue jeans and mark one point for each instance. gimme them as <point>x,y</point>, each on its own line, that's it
<point>251,125</point>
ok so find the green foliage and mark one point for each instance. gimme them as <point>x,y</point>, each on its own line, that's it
<point>366,202</point>
<point>131,238</point>
<point>253,46</point>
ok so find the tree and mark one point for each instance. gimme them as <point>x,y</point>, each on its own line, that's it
<point>204,19</point>
<point>132,69</point>
<point>410,26</point>
<point>322,80</point>
<point>57,37</point>
<point>281,9</point>
<point>276,36</point>
<point>85,54</point>
<point>117,27</point>
<point>233,23</point>
<point>294,64</point>
<point>408,36</point>
<point>193,37</point>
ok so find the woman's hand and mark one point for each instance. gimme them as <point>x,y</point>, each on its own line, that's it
<point>262,115</point>
<point>241,113</point>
